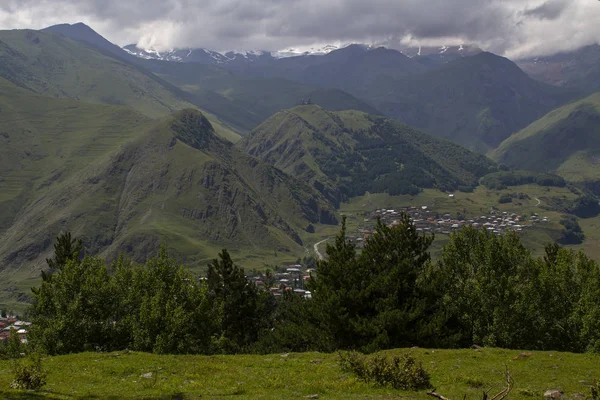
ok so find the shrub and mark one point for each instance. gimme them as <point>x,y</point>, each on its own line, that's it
<point>505,198</point>
<point>402,372</point>
<point>29,374</point>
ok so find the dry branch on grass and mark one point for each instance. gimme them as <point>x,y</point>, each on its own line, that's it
<point>499,396</point>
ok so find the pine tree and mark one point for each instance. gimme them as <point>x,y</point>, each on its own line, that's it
<point>373,301</point>
<point>243,311</point>
<point>65,249</point>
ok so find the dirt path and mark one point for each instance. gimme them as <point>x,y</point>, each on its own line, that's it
<point>316,247</point>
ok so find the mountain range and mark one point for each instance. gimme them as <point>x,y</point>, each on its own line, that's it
<point>129,149</point>
<point>117,150</point>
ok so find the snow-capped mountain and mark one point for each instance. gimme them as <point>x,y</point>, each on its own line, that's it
<point>462,50</point>
<point>178,55</point>
<point>235,56</point>
<point>310,51</point>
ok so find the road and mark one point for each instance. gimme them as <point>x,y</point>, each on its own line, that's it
<point>316,247</point>
<point>539,202</point>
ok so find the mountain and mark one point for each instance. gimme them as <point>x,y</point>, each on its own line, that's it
<point>443,52</point>
<point>83,33</point>
<point>474,101</point>
<point>245,102</point>
<point>356,69</point>
<point>206,56</point>
<point>240,102</point>
<point>578,69</point>
<point>53,65</point>
<point>566,141</point>
<point>125,183</point>
<point>201,56</point>
<point>347,153</point>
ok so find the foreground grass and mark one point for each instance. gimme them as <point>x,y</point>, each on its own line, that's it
<point>454,373</point>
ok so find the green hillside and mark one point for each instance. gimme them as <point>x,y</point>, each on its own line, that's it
<point>348,153</point>
<point>566,141</point>
<point>52,65</point>
<point>125,183</point>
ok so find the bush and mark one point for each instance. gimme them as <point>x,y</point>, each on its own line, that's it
<point>505,198</point>
<point>29,374</point>
<point>572,232</point>
<point>502,179</point>
<point>403,372</point>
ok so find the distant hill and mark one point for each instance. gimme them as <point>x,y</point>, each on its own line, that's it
<point>247,101</point>
<point>125,183</point>
<point>578,69</point>
<point>475,101</point>
<point>347,153</point>
<point>566,141</point>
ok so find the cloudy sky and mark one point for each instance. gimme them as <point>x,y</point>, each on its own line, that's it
<point>509,27</point>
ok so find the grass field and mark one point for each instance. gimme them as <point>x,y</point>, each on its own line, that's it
<point>454,373</point>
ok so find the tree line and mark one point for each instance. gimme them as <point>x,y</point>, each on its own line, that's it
<point>485,289</point>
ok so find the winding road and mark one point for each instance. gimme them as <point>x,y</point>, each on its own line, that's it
<point>316,247</point>
<point>539,202</point>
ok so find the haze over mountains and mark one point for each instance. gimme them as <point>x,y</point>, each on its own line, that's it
<point>203,150</point>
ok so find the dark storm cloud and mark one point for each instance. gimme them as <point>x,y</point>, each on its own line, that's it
<point>503,26</point>
<point>551,9</point>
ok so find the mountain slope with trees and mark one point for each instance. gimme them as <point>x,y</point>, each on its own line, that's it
<point>125,183</point>
<point>348,153</point>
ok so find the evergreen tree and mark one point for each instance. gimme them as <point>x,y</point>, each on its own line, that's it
<point>373,301</point>
<point>66,248</point>
<point>242,310</point>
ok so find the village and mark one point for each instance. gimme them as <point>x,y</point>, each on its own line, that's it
<point>427,220</point>
<point>9,323</point>
<point>290,279</point>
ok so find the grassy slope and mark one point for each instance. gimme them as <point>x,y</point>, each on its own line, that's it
<point>303,140</point>
<point>55,66</point>
<point>565,141</point>
<point>121,181</point>
<point>454,373</point>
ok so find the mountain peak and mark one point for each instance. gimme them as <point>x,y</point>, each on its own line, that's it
<point>191,127</point>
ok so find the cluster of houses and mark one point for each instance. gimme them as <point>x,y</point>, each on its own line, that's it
<point>426,220</point>
<point>292,280</point>
<point>8,323</point>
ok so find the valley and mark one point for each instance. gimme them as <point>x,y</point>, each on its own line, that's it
<point>85,148</point>
<point>299,200</point>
